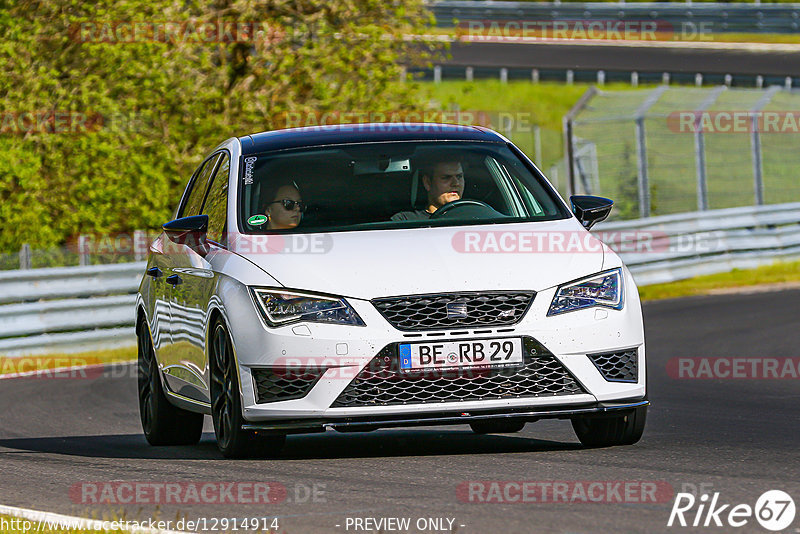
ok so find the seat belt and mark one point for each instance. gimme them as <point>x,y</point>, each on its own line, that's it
<point>414,187</point>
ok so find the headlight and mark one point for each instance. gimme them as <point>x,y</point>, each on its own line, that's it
<point>604,289</point>
<point>284,307</point>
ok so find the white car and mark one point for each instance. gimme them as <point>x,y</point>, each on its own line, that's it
<point>383,275</point>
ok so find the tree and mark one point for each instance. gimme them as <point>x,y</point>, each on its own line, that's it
<point>102,120</point>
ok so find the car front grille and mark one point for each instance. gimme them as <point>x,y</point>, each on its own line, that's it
<point>274,384</point>
<point>454,310</point>
<point>621,366</point>
<point>383,383</point>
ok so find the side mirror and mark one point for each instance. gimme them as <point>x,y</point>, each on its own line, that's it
<point>590,210</point>
<point>189,231</point>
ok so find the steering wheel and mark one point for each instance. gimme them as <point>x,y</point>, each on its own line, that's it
<point>461,203</point>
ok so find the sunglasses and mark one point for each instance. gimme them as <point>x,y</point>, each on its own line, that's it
<point>289,205</point>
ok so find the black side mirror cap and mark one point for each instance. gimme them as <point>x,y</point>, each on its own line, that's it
<point>189,231</point>
<point>590,210</point>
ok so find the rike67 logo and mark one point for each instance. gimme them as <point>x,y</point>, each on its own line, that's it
<point>774,510</point>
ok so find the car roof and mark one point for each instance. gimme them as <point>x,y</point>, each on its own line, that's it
<point>363,133</point>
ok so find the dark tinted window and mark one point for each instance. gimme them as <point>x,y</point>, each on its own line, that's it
<point>383,185</point>
<point>194,202</point>
<point>217,201</point>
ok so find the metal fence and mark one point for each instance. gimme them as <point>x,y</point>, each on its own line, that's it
<point>678,149</point>
<point>75,309</point>
<point>68,309</point>
<point>675,247</point>
<point>85,250</point>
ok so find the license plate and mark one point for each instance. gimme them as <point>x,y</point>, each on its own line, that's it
<point>475,353</point>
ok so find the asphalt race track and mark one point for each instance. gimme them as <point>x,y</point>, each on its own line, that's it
<point>738,437</point>
<point>626,58</point>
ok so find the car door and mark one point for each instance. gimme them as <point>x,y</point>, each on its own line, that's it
<point>159,268</point>
<point>192,284</point>
<point>174,255</point>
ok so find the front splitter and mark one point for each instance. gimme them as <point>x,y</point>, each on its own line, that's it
<point>366,424</point>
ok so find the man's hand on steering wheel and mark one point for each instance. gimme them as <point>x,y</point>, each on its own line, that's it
<point>456,204</point>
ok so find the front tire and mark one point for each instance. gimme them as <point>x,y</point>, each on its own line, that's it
<point>226,405</point>
<point>162,423</point>
<point>610,431</point>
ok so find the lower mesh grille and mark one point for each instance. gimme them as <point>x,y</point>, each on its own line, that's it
<point>279,384</point>
<point>618,366</point>
<point>383,383</point>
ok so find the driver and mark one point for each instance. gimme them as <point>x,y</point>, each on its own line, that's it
<point>444,182</point>
<point>285,210</point>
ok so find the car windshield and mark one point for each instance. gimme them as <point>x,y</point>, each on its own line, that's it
<point>391,185</point>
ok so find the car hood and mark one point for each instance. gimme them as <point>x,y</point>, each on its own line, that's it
<point>377,263</point>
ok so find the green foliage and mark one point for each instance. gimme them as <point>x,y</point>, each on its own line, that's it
<point>545,104</point>
<point>146,113</point>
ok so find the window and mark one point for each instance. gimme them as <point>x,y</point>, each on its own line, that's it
<point>374,185</point>
<point>216,203</point>
<point>198,186</point>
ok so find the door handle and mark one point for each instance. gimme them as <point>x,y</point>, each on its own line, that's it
<point>155,272</point>
<point>174,280</point>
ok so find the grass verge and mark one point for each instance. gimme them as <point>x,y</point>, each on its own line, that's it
<point>44,362</point>
<point>777,273</point>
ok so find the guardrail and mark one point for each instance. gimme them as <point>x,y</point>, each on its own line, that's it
<point>674,247</point>
<point>68,309</point>
<point>84,308</point>
<point>713,16</point>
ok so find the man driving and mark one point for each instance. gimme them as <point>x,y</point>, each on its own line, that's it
<point>444,182</point>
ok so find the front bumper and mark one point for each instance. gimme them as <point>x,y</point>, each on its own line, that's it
<point>347,350</point>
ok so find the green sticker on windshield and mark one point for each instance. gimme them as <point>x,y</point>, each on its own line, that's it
<point>257,220</point>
